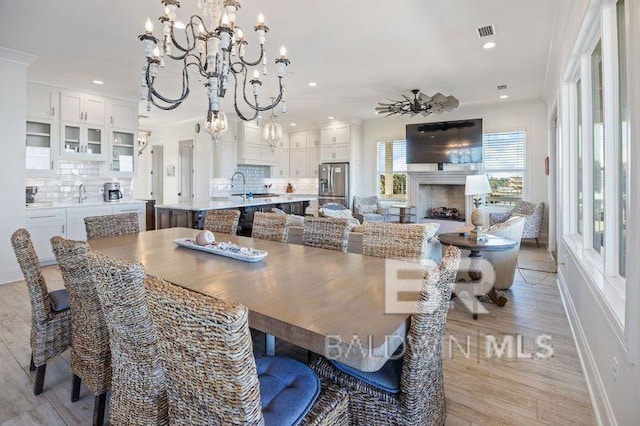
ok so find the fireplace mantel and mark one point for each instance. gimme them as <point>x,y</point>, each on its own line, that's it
<point>442,177</point>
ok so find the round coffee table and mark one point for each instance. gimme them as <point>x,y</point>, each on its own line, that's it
<point>493,244</point>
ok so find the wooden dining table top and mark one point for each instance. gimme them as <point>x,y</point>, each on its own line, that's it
<point>328,302</point>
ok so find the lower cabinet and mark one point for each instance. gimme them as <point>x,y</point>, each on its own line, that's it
<point>68,222</point>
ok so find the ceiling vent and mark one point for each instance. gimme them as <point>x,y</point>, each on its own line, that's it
<point>502,87</point>
<point>486,31</point>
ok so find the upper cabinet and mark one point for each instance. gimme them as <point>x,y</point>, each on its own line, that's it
<point>82,108</point>
<point>340,142</point>
<point>43,102</point>
<point>252,149</point>
<point>123,137</point>
<point>123,115</point>
<point>83,142</point>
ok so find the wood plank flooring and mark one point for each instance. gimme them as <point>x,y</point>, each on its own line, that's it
<point>480,389</point>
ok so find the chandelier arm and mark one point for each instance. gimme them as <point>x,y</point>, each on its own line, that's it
<point>173,102</point>
<point>257,62</point>
<point>191,44</point>
<point>235,96</point>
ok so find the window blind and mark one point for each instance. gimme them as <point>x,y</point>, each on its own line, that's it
<point>503,151</point>
<point>392,156</point>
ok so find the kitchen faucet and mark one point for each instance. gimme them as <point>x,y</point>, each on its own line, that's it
<point>82,193</point>
<point>244,183</point>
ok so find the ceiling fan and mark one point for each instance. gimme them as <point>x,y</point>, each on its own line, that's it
<point>420,104</point>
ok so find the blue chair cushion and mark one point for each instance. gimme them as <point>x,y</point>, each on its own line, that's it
<point>387,378</point>
<point>59,300</point>
<point>288,389</point>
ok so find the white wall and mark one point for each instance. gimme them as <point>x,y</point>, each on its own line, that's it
<point>13,114</point>
<point>503,116</point>
<point>601,341</point>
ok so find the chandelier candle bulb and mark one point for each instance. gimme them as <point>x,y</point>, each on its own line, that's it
<point>283,52</point>
<point>148,26</point>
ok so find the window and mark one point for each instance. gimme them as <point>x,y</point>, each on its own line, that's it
<point>392,170</point>
<point>623,139</point>
<point>597,117</point>
<point>579,151</point>
<point>503,155</point>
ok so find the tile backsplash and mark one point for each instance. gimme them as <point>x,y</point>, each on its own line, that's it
<point>256,179</point>
<point>63,186</point>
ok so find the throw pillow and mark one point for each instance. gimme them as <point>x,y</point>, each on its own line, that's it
<point>367,208</point>
<point>338,214</point>
<point>293,220</point>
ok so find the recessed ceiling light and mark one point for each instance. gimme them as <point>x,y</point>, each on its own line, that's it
<point>179,25</point>
<point>331,117</point>
<point>312,84</point>
<point>98,82</point>
<point>504,96</point>
<point>489,45</point>
<point>292,124</point>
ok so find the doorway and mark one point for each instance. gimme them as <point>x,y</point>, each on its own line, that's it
<point>185,154</point>
<point>157,168</point>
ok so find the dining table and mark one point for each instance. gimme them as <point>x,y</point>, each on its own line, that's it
<point>328,302</point>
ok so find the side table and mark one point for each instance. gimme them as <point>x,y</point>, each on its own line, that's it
<point>406,214</point>
<point>476,247</point>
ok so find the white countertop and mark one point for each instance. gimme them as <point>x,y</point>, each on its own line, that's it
<point>235,202</point>
<point>70,204</point>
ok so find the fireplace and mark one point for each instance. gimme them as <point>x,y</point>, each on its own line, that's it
<point>429,190</point>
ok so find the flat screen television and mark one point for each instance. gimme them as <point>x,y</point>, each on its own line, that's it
<point>445,142</point>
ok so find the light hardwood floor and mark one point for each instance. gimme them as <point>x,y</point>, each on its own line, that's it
<point>480,390</point>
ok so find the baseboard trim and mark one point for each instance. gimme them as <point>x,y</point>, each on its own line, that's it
<point>9,275</point>
<point>597,393</point>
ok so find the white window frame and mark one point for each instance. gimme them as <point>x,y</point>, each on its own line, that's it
<point>524,169</point>
<point>398,198</point>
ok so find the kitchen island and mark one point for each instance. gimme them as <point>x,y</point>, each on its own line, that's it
<point>191,215</point>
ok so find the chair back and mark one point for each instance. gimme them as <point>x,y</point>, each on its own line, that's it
<point>224,221</point>
<point>270,226</point>
<point>421,382</point>
<point>30,265</point>
<point>505,262</point>
<point>206,348</point>
<point>327,233</point>
<point>111,225</point>
<point>395,241</point>
<point>369,204</point>
<point>138,387</point>
<point>90,352</point>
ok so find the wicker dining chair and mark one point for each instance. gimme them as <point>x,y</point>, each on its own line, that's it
<point>395,241</point>
<point>50,313</point>
<point>111,225</point>
<point>138,386</point>
<point>327,233</point>
<point>270,226</point>
<point>224,221</point>
<point>408,390</point>
<point>90,351</point>
<point>213,377</point>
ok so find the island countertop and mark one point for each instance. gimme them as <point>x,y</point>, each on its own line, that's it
<point>235,202</point>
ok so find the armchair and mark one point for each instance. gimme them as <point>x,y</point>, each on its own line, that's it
<point>368,209</point>
<point>532,215</point>
<point>505,262</point>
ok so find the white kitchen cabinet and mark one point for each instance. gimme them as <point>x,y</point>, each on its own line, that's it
<point>84,108</point>
<point>252,149</point>
<point>284,141</point>
<point>123,152</point>
<point>40,148</point>
<point>313,161</point>
<point>298,163</point>
<point>83,142</point>
<point>123,115</point>
<point>340,142</point>
<point>42,226</point>
<point>313,138</point>
<point>298,140</point>
<point>42,102</point>
<point>139,208</point>
<point>336,135</point>
<point>75,220</point>
<point>282,169</point>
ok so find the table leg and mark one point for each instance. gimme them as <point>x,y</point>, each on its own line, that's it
<point>498,300</point>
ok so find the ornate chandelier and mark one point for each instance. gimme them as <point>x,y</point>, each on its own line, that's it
<point>420,104</point>
<point>215,46</point>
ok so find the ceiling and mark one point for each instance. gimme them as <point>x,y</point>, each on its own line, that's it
<point>359,52</point>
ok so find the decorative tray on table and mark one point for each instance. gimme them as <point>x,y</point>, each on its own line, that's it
<point>228,249</point>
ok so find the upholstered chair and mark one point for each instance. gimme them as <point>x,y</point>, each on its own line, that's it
<point>505,262</point>
<point>90,351</point>
<point>270,226</point>
<point>213,377</point>
<point>395,241</point>
<point>224,221</point>
<point>532,214</point>
<point>111,225</point>
<point>327,233</point>
<point>138,387</point>
<point>368,209</point>
<point>409,388</point>
<point>50,313</point>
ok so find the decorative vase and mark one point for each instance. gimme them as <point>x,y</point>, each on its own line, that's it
<point>477,217</point>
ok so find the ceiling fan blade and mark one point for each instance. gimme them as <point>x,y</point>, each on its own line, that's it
<point>424,98</point>
<point>407,98</point>
<point>390,114</point>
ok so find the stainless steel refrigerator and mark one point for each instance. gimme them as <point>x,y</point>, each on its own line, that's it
<point>333,185</point>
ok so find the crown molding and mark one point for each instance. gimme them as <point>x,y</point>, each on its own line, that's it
<point>15,56</point>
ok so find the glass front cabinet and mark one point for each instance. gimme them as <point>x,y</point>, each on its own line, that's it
<point>122,155</point>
